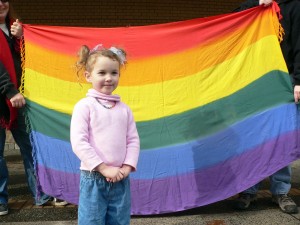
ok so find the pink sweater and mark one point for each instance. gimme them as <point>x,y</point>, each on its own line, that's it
<point>100,135</point>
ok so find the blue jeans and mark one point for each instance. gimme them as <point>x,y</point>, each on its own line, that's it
<point>280,182</point>
<point>21,137</point>
<point>101,202</point>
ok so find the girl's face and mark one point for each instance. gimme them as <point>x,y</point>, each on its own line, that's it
<point>4,7</point>
<point>105,75</point>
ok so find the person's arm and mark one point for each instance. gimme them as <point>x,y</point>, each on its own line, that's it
<point>133,145</point>
<point>252,3</point>
<point>79,136</point>
<point>8,89</point>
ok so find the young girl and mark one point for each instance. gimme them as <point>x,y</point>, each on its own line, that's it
<point>105,139</point>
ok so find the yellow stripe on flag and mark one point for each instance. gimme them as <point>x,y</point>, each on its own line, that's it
<point>168,97</point>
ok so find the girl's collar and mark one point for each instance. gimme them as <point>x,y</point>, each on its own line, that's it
<point>96,94</point>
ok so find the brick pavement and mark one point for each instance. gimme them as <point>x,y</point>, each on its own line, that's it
<point>18,204</point>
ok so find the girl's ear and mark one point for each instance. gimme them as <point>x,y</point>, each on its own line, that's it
<point>87,76</point>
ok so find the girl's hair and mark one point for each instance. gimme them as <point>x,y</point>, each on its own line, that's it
<point>87,58</point>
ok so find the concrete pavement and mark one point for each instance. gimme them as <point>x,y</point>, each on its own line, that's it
<point>215,214</point>
<point>22,212</point>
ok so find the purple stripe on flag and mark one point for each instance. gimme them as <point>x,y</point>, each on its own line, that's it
<point>59,184</point>
<point>213,184</point>
<point>191,190</point>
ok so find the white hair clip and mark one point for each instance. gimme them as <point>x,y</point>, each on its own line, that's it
<point>119,53</point>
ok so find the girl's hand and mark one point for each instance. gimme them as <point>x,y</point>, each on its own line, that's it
<point>119,177</point>
<point>16,29</point>
<point>110,172</point>
<point>123,173</point>
<point>265,2</point>
<point>127,169</point>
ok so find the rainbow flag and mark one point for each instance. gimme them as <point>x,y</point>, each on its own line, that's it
<point>211,97</point>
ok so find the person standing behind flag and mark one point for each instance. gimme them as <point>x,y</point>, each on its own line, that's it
<point>290,46</point>
<point>12,104</point>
